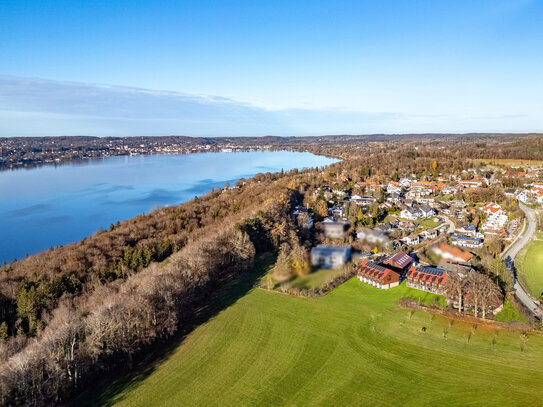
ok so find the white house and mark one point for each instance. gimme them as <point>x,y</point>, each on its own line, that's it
<point>523,196</point>
<point>466,241</point>
<point>394,187</point>
<point>372,236</point>
<point>405,182</point>
<point>330,256</point>
<point>426,211</point>
<point>469,230</point>
<point>410,213</point>
<point>492,208</point>
<point>412,240</point>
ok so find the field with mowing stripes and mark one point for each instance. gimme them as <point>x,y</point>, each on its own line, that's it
<point>529,265</point>
<point>350,347</point>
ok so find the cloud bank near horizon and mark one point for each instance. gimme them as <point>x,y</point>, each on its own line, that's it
<point>38,107</point>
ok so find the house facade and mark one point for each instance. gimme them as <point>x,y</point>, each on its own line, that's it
<point>410,213</point>
<point>466,241</point>
<point>377,276</point>
<point>326,256</point>
<point>372,236</point>
<point>427,278</point>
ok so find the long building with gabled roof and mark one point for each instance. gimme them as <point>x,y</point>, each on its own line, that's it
<point>378,276</point>
<point>426,278</point>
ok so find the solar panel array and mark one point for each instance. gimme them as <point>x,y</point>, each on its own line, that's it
<point>431,270</point>
<point>400,258</point>
<point>376,266</point>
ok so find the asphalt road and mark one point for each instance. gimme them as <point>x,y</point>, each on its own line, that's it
<point>509,260</point>
<point>452,227</point>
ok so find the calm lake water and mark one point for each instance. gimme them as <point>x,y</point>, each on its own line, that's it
<point>50,206</point>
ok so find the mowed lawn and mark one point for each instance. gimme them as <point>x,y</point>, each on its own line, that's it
<point>316,278</point>
<point>351,347</point>
<point>530,267</point>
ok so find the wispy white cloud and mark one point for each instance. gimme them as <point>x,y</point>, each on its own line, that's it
<point>37,107</point>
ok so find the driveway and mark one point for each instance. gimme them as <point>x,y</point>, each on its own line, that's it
<point>509,259</point>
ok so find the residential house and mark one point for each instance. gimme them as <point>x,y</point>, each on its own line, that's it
<point>469,230</point>
<point>492,208</point>
<point>394,222</point>
<point>452,254</point>
<point>407,226</point>
<point>455,209</point>
<point>472,183</point>
<point>384,227</point>
<point>426,211</point>
<point>303,217</point>
<point>511,193</point>
<point>394,197</point>
<point>405,182</point>
<point>466,241</point>
<point>340,193</point>
<point>326,256</point>
<point>495,223</point>
<point>410,213</point>
<point>374,236</point>
<point>411,240</point>
<point>369,185</point>
<point>425,200</point>
<point>449,190</point>
<point>458,268</point>
<point>421,188</point>
<point>377,276</point>
<point>386,205</point>
<point>537,193</point>
<point>394,187</point>
<point>429,234</point>
<point>363,200</point>
<point>427,278</point>
<point>337,211</point>
<point>334,229</point>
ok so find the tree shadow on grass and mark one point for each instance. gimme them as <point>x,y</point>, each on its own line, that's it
<point>113,387</point>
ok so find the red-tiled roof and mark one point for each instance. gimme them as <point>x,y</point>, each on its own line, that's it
<point>427,274</point>
<point>377,272</point>
<point>456,252</point>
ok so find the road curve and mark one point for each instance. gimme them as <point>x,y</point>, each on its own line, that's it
<point>509,259</point>
<point>452,227</point>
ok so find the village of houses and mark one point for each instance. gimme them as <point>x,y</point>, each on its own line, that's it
<point>422,217</point>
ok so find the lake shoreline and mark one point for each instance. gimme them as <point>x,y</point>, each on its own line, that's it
<point>52,206</point>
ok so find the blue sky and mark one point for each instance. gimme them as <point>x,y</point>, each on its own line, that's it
<point>284,67</point>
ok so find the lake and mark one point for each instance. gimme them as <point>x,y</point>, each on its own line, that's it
<point>51,206</point>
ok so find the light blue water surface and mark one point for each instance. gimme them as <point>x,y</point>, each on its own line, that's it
<point>50,206</point>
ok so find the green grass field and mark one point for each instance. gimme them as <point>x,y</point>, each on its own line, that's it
<point>350,347</point>
<point>529,264</point>
<point>509,314</point>
<point>428,223</point>
<point>317,278</point>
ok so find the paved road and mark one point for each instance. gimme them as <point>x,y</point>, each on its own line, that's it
<point>509,260</point>
<point>452,227</point>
